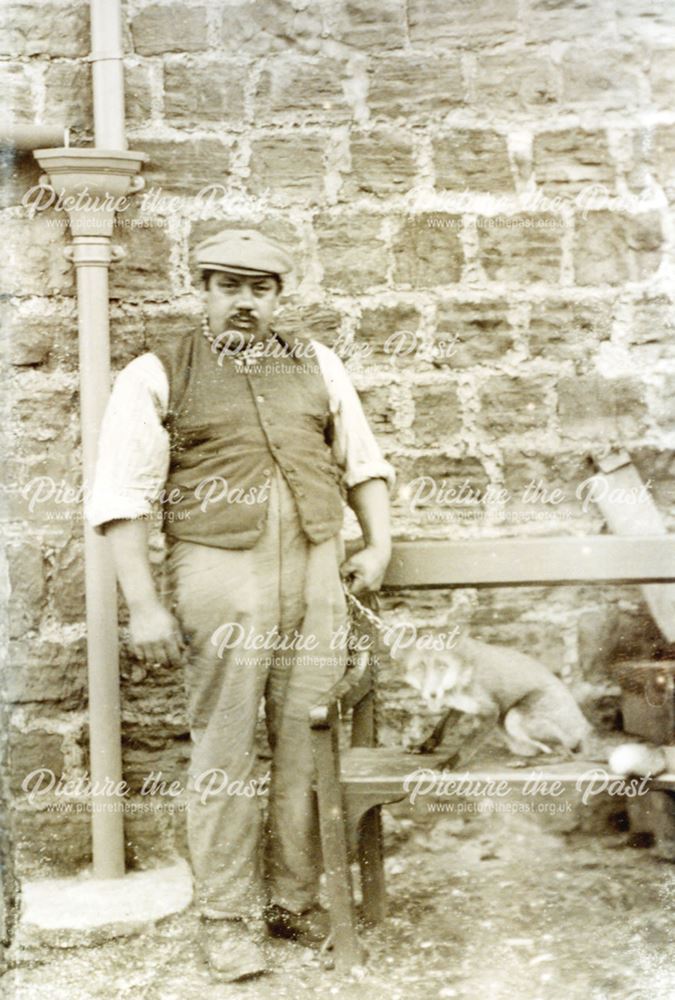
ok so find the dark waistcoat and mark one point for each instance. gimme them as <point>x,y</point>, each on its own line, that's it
<point>227,428</point>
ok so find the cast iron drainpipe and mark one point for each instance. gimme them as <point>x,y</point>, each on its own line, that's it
<point>30,137</point>
<point>105,173</point>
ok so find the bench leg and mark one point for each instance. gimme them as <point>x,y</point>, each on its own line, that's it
<point>371,862</point>
<point>346,946</point>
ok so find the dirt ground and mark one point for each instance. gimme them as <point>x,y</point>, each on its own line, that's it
<point>481,908</point>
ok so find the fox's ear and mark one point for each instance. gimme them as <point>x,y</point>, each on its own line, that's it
<point>466,675</point>
<point>413,678</point>
<point>447,669</point>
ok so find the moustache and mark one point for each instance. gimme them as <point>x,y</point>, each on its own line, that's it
<point>243,314</point>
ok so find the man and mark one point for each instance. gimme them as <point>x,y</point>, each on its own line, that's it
<point>250,438</point>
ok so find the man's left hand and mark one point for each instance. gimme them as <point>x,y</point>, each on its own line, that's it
<point>365,569</point>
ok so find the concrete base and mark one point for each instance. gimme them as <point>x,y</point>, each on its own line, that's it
<point>83,910</point>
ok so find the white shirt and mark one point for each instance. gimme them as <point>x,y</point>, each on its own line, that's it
<point>133,457</point>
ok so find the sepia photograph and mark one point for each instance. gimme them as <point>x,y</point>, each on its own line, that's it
<point>337,588</point>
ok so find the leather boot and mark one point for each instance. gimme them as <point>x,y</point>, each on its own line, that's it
<point>232,949</point>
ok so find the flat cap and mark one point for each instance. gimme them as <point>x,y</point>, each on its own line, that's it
<point>244,251</point>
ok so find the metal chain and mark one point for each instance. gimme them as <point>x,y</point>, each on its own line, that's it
<point>381,627</point>
<point>373,618</point>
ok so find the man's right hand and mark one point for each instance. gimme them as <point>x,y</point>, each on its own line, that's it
<point>156,635</point>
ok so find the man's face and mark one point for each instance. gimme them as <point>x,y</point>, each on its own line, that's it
<point>241,303</point>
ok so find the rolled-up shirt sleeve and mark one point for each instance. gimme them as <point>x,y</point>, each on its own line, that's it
<point>133,452</point>
<point>355,450</point>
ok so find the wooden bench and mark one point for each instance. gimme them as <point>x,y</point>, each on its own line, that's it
<point>353,784</point>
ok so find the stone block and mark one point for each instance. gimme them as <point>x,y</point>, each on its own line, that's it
<point>433,22</point>
<point>41,670</point>
<point>148,754</point>
<point>17,97</point>
<point>513,405</point>
<point>66,589</point>
<point>161,329</point>
<point>428,250</point>
<point>27,587</point>
<point>522,248</point>
<point>656,464</point>
<point>609,633</point>
<point>57,30</point>
<point>662,402</point>
<point>567,161</point>
<point>637,160</point>
<point>472,333</point>
<point>43,416</point>
<point>663,156</point>
<point>651,334</point>
<point>43,462</point>
<point>604,410</point>
<point>410,86</point>
<point>662,76</point>
<point>259,27</point>
<point>137,97</point>
<point>149,834</point>
<point>68,95</point>
<point>52,842</point>
<point>438,415</point>
<point>499,607</point>
<point>318,321</point>
<point>561,330</point>
<point>29,339</point>
<point>351,251</point>
<point>157,691</point>
<point>569,20</point>
<point>144,273</point>
<point>19,176</point>
<point>31,751</point>
<point>52,340</point>
<point>647,20</point>
<point>608,78</point>
<point>289,166</point>
<point>182,168</point>
<point>34,256</point>
<point>435,483</point>
<point>611,248</point>
<point>515,80</point>
<point>361,24</point>
<point>174,27</point>
<point>472,160</point>
<point>379,410</point>
<point>386,332</point>
<point>127,339</point>
<point>381,164</point>
<point>542,489</point>
<point>297,89</point>
<point>190,96</point>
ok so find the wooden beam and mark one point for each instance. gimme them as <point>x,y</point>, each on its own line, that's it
<point>629,509</point>
<point>495,562</point>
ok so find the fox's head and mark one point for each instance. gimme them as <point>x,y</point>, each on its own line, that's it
<point>438,676</point>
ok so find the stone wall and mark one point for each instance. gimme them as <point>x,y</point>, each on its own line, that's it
<point>489,182</point>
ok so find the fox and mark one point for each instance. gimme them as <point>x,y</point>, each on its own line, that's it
<point>498,685</point>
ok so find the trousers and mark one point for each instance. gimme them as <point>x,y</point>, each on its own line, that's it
<point>260,623</point>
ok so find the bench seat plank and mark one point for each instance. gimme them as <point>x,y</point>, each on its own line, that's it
<point>374,769</point>
<point>495,562</point>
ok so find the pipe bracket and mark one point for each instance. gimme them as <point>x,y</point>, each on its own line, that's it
<point>103,56</point>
